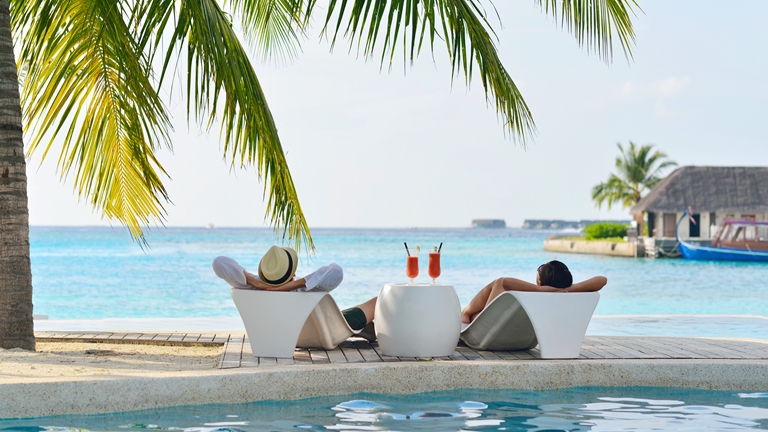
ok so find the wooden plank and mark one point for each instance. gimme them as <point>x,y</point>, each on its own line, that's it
<point>285,361</point>
<point>163,337</point>
<point>383,357</point>
<point>635,348</point>
<point>616,351</point>
<point>267,361</point>
<point>177,337</point>
<point>191,337</point>
<point>671,353</point>
<point>600,351</point>
<point>506,355</point>
<point>220,338</point>
<point>366,350</point>
<point>319,356</point>
<point>522,355</point>
<point>301,356</point>
<point>722,351</point>
<point>672,348</point>
<point>206,338</point>
<point>146,336</point>
<point>57,335</point>
<point>699,350</point>
<point>351,353</point>
<point>88,335</point>
<point>232,354</point>
<point>469,353</point>
<point>488,355</point>
<point>117,336</point>
<point>679,345</point>
<point>615,344</point>
<point>247,359</point>
<point>535,353</point>
<point>747,349</point>
<point>457,356</point>
<point>336,356</point>
<point>72,336</point>
<point>588,353</point>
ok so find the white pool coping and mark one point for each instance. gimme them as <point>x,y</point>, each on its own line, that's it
<point>91,395</point>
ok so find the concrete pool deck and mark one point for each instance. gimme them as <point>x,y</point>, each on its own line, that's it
<point>356,366</point>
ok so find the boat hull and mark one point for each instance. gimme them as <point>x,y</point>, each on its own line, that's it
<point>706,253</point>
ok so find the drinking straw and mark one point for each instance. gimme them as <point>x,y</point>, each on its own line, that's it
<point>406,248</point>
<point>441,247</point>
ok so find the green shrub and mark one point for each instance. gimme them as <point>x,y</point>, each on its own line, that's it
<point>605,230</point>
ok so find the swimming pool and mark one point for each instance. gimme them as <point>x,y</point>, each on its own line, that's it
<point>572,409</point>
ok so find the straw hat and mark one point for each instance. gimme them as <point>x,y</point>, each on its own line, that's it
<point>278,265</point>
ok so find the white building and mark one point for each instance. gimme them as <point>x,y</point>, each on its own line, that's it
<point>712,193</point>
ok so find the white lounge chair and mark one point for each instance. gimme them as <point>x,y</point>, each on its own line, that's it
<point>518,320</point>
<point>278,322</point>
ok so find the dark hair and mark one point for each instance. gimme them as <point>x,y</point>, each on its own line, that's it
<point>555,274</point>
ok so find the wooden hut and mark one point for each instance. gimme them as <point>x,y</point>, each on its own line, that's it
<point>713,193</point>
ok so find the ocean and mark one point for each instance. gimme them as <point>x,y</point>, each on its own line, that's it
<point>99,273</point>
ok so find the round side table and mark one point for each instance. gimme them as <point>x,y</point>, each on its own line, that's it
<point>420,320</point>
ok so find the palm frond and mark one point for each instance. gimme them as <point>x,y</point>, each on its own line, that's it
<point>594,22</point>
<point>87,86</point>
<point>636,175</point>
<point>272,27</point>
<point>220,78</point>
<point>462,24</point>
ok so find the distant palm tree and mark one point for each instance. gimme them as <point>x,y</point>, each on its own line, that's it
<point>637,173</point>
<point>93,72</point>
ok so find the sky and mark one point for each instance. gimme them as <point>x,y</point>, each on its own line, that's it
<point>406,147</point>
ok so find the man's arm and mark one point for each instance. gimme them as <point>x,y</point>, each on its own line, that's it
<point>288,286</point>
<point>513,284</point>
<point>592,284</point>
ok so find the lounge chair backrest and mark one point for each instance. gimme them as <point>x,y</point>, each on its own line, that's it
<point>508,329</point>
<point>325,327</point>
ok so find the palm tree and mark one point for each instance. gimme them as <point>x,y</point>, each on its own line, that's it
<point>15,271</point>
<point>93,71</point>
<point>637,172</point>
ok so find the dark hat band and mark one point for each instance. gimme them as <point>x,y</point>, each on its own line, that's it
<point>287,275</point>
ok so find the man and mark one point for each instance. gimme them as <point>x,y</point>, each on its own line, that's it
<point>553,276</point>
<point>276,272</point>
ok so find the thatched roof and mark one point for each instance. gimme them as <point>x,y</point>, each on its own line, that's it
<point>709,189</point>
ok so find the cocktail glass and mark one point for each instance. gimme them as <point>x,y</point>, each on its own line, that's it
<point>434,265</point>
<point>412,264</point>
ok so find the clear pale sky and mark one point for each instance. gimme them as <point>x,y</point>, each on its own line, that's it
<point>372,148</point>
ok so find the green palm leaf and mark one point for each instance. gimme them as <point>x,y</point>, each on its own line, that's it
<point>462,24</point>
<point>638,171</point>
<point>220,78</point>
<point>594,22</point>
<point>87,85</point>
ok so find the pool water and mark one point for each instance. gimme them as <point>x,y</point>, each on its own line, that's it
<point>573,409</point>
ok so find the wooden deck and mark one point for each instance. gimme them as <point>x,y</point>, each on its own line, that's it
<point>237,350</point>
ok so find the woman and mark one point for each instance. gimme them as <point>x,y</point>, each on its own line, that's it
<point>553,276</point>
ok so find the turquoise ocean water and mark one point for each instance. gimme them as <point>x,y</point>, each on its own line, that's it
<point>97,272</point>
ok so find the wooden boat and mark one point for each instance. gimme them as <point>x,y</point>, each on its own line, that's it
<point>735,240</point>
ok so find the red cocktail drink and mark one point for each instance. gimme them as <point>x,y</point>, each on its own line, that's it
<point>434,265</point>
<point>412,267</point>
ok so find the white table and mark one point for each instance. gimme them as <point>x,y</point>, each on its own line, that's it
<point>420,320</point>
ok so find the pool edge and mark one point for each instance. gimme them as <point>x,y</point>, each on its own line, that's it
<point>43,397</point>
